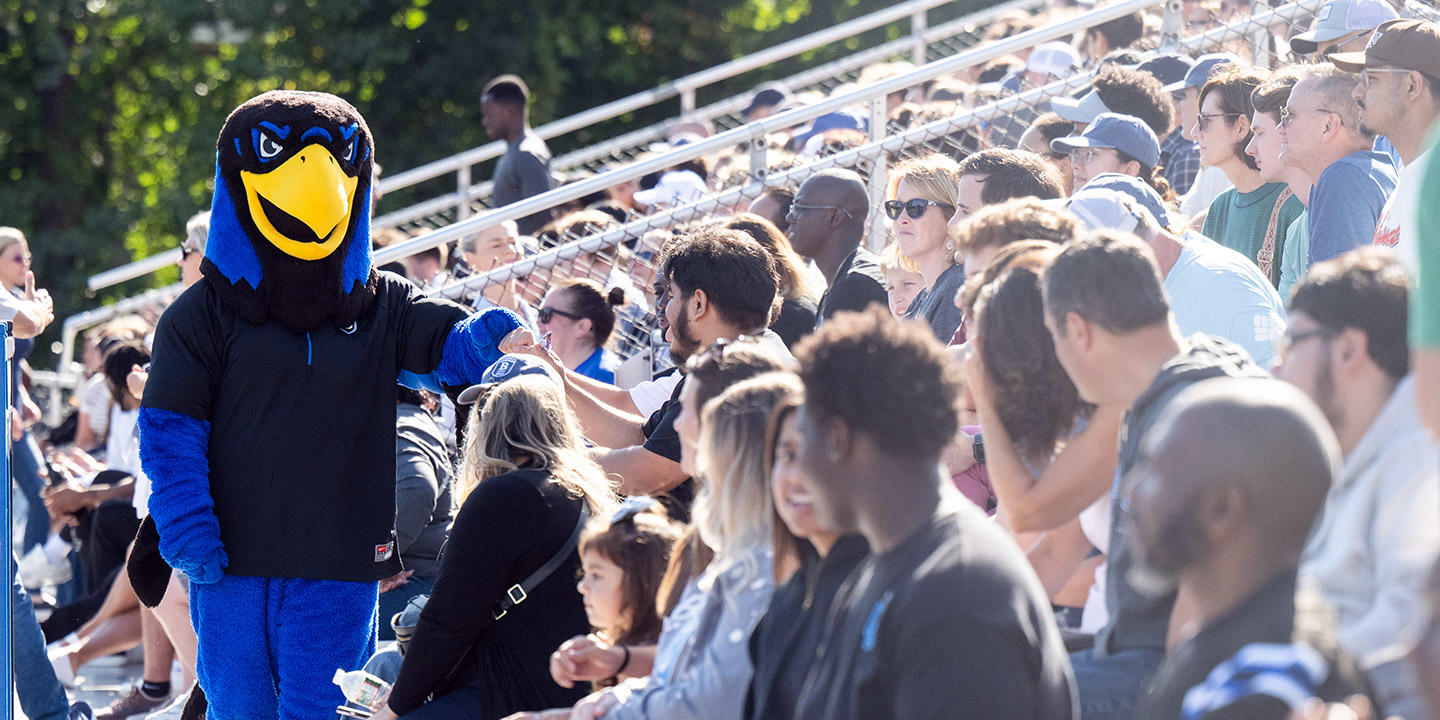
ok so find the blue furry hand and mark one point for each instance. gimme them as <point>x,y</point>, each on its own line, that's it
<point>473,345</point>
<point>174,455</point>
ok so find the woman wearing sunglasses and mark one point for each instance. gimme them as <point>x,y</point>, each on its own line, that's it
<point>922,202</point>
<point>579,316</point>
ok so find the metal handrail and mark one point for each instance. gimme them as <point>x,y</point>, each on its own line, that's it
<point>758,130</point>
<point>460,163</point>
<point>657,131</point>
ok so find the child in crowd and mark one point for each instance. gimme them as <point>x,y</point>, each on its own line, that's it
<point>903,280</point>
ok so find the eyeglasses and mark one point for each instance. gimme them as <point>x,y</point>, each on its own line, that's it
<point>633,505</point>
<point>1083,156</point>
<point>914,207</point>
<point>187,250</point>
<point>1365,73</point>
<point>546,314</point>
<point>1287,114</point>
<point>796,209</point>
<point>1202,120</point>
<point>1284,343</point>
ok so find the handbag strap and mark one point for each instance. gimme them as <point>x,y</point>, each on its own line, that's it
<point>1266,257</point>
<point>519,592</point>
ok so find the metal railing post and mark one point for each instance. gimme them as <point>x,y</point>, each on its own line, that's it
<point>875,236</point>
<point>917,34</point>
<point>687,101</point>
<point>1172,24</point>
<point>462,192</point>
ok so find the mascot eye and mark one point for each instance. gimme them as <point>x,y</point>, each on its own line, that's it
<point>350,152</point>
<point>268,148</point>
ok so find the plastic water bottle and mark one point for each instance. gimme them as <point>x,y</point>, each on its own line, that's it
<point>361,688</point>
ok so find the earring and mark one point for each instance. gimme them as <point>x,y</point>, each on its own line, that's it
<point>949,245</point>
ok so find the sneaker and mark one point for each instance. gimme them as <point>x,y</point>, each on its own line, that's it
<point>80,711</point>
<point>37,569</point>
<point>135,703</point>
<point>173,710</point>
<point>64,670</point>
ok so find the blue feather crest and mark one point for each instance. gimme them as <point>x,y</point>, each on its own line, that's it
<point>228,246</point>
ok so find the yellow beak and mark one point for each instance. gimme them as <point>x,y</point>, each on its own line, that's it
<point>303,206</point>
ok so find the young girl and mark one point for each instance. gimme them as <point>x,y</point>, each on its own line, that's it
<point>622,560</point>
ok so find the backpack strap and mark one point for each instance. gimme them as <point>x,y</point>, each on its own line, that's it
<point>519,592</point>
<point>1266,257</point>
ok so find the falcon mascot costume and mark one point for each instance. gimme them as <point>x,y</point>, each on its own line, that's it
<point>267,426</point>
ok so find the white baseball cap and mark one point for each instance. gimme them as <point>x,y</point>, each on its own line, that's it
<point>1053,58</point>
<point>676,187</point>
<point>1341,17</point>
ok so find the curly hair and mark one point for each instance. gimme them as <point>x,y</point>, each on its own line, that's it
<point>886,379</point>
<point>1034,398</point>
<point>1133,92</point>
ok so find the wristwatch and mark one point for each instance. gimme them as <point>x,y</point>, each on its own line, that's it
<point>977,450</point>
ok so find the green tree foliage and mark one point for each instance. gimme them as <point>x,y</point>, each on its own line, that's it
<point>109,109</point>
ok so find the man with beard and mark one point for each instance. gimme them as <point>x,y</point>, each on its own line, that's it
<point>721,285</point>
<point>1107,312</point>
<point>1228,484</point>
<point>1378,538</point>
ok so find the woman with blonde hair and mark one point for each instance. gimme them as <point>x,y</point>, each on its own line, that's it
<point>526,485</point>
<point>704,667</point>
<point>923,197</point>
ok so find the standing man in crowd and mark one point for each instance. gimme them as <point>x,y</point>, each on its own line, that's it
<point>944,594</point>
<point>1371,552</point>
<point>1110,320</point>
<point>1399,97</point>
<point>524,170</point>
<point>1321,135</point>
<point>827,224</point>
<point>1229,483</point>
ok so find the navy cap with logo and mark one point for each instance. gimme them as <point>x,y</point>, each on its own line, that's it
<point>1125,133</point>
<point>1204,67</point>
<point>508,367</point>
<point>1168,68</point>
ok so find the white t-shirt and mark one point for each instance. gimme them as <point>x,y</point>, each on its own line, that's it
<point>649,395</point>
<point>1396,229</point>
<point>122,452</point>
<point>1095,523</point>
<point>9,306</point>
<point>1208,185</point>
<point>1217,291</point>
<point>95,402</point>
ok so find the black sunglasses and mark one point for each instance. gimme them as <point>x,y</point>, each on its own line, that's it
<point>914,207</point>
<point>546,314</point>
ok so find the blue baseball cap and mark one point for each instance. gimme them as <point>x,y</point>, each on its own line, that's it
<point>1204,66</point>
<point>838,120</point>
<point>1137,189</point>
<point>1125,133</point>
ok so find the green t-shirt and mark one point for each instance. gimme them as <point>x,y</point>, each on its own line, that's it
<point>1240,221</point>
<point>1425,300</point>
<point>1297,254</point>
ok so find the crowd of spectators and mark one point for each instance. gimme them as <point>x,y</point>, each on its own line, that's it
<point>1124,405</point>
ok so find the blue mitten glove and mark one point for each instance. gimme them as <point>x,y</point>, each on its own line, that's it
<point>473,345</point>
<point>174,455</point>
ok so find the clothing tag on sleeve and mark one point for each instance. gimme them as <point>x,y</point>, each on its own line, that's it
<point>384,552</point>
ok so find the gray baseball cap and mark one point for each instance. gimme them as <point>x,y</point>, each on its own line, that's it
<point>1342,17</point>
<point>1082,110</point>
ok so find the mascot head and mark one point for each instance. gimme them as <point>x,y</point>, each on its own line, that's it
<point>290,223</point>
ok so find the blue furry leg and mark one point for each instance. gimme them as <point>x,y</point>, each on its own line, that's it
<point>269,647</point>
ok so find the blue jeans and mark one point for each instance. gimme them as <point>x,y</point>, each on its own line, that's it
<point>26,473</point>
<point>40,693</point>
<point>394,601</point>
<point>1110,685</point>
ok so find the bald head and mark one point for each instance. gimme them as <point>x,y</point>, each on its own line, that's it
<point>842,188</point>
<point>1262,438</point>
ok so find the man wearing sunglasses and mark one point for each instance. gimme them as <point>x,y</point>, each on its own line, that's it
<point>827,223</point>
<point>1399,97</point>
<point>1321,135</point>
<point>1377,539</point>
<point>1341,26</point>
<point>192,250</point>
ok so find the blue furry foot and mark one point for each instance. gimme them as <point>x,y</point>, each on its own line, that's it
<point>473,345</point>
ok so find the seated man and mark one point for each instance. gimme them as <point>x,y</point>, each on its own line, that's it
<point>1109,317</point>
<point>945,595</point>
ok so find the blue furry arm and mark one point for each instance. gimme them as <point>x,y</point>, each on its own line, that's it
<point>473,345</point>
<point>174,455</point>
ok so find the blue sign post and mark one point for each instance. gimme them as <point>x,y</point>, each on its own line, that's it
<point>7,536</point>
